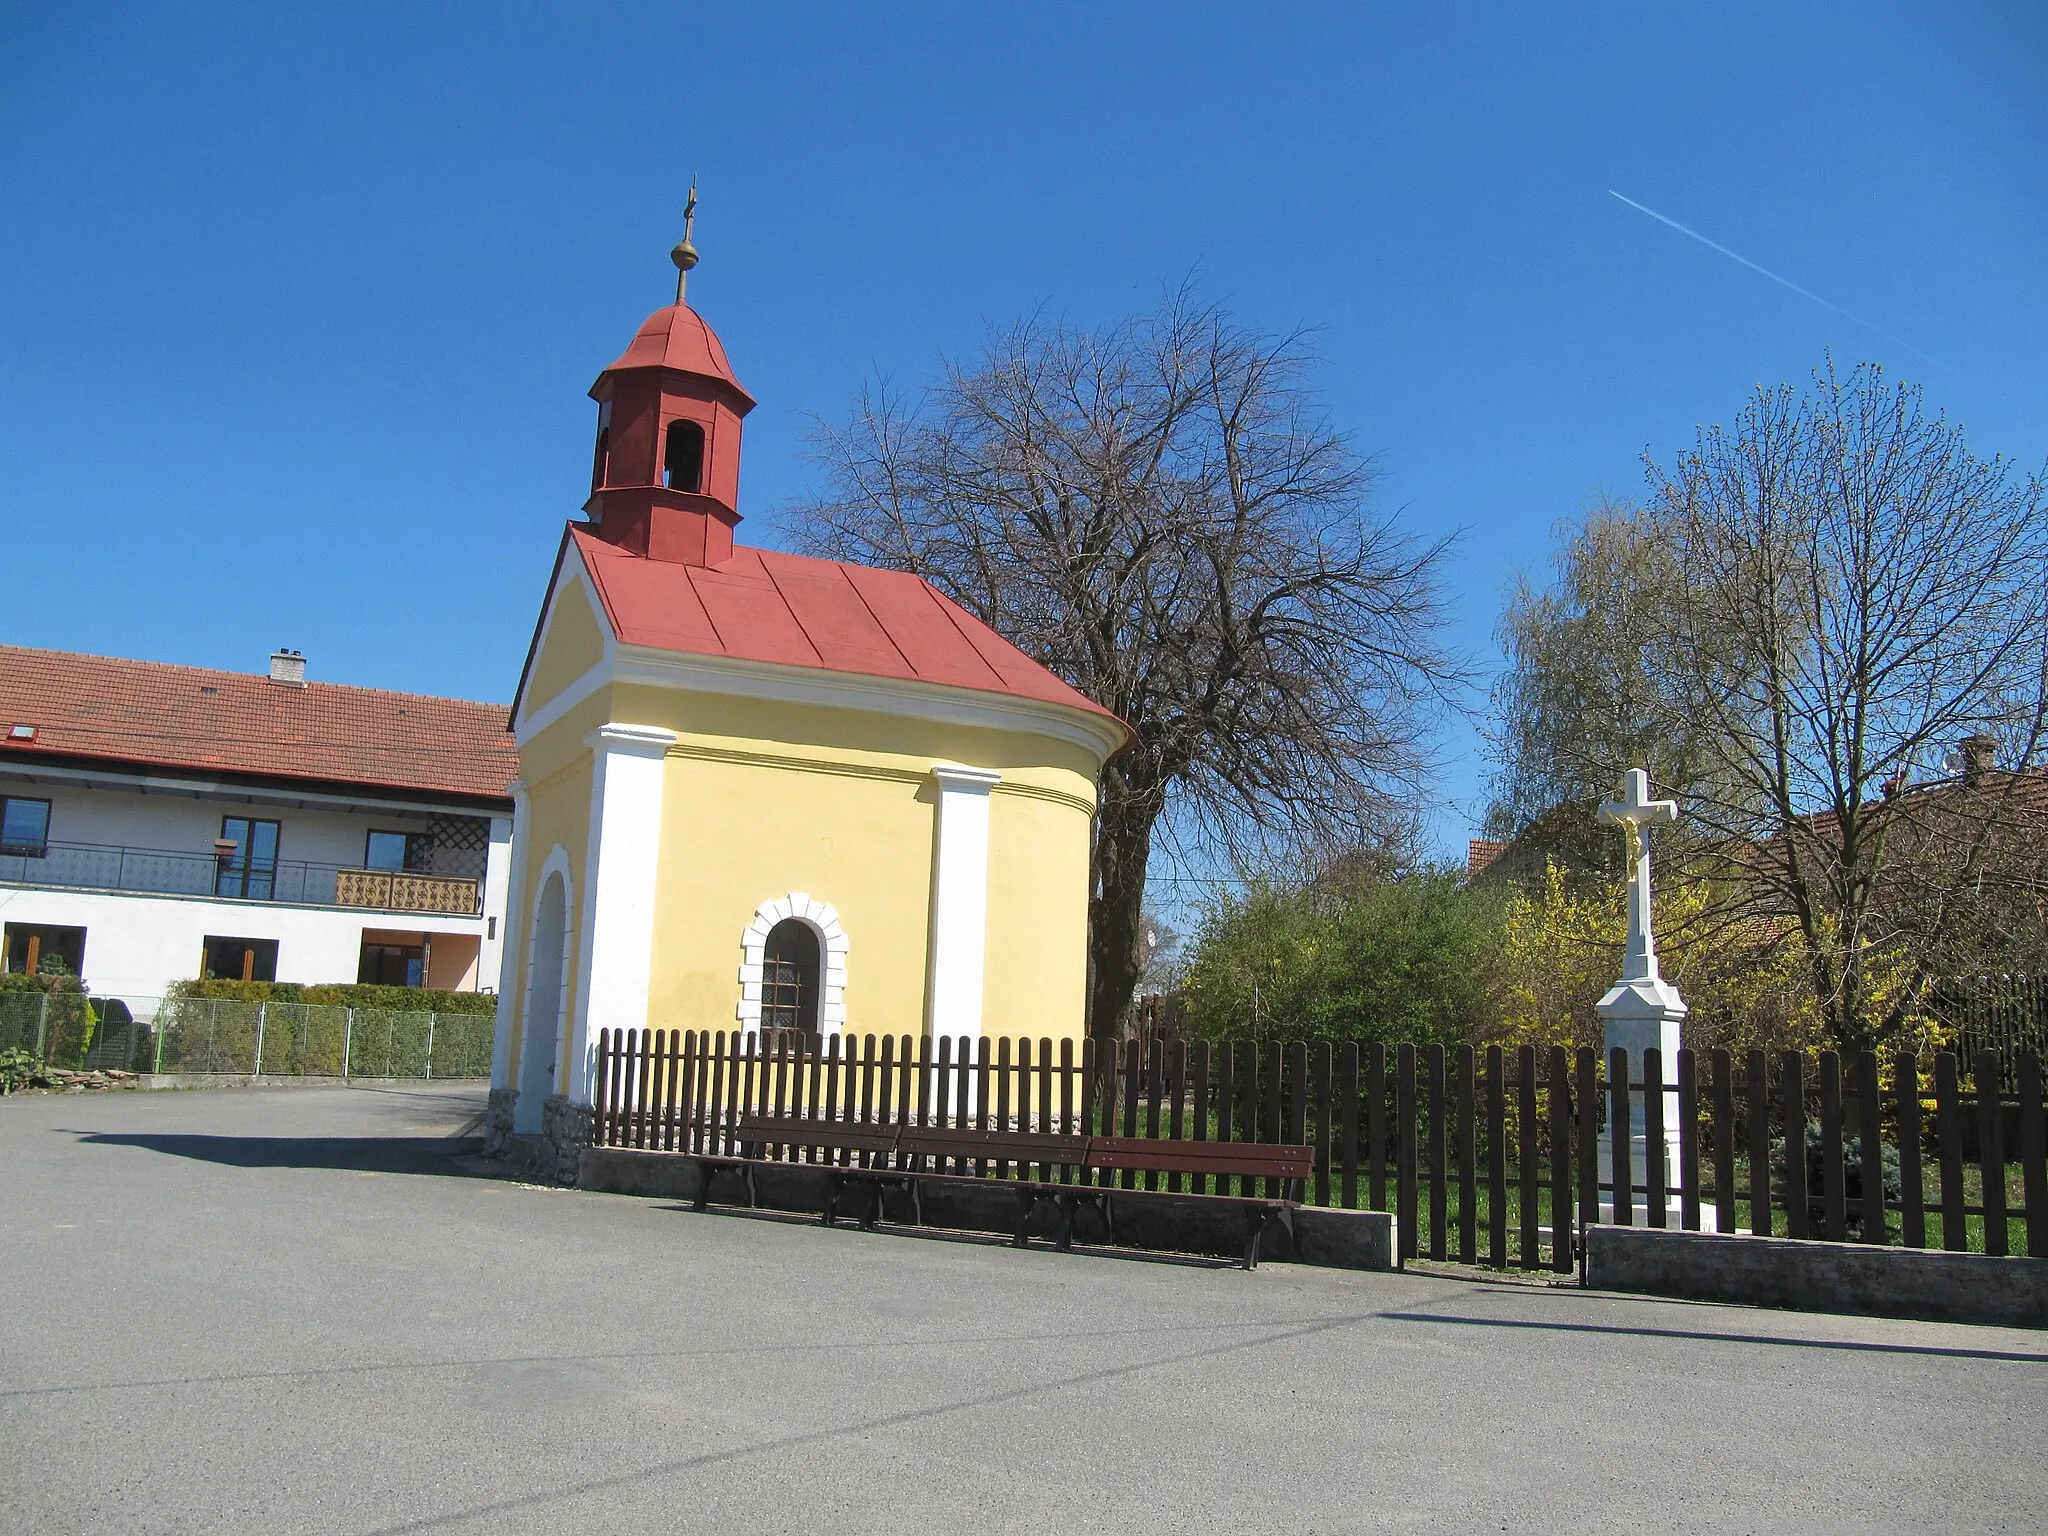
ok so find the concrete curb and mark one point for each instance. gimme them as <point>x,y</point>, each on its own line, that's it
<point>1336,1238</point>
<point>1819,1277</point>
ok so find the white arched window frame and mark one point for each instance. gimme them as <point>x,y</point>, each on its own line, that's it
<point>822,920</point>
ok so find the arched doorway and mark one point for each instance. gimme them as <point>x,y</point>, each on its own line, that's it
<point>542,1013</point>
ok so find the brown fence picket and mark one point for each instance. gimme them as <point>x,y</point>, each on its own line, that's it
<point>1723,1090</point>
<point>1532,1183</point>
<point>1688,1140</point>
<point>1468,1157</point>
<point>600,1096</point>
<point>1759,1106</point>
<point>1870,1143</point>
<point>1656,1194</point>
<point>1589,1137</point>
<point>1834,1190</point>
<point>1292,1119</point>
<point>1347,1113</point>
<point>1322,1075</point>
<point>1045,1096</point>
<point>1948,1130</point>
<point>1621,1195</point>
<point>1912,1181</point>
<point>1155,1070</point>
<point>1269,1122</point>
<point>1991,1153</point>
<point>1198,1070</point>
<point>1405,1173</point>
<point>1376,1123</point>
<point>1437,1191</point>
<point>1560,1160</point>
<point>2033,1136</point>
<point>1792,1084</point>
<point>1496,1158</point>
<point>1226,1102</point>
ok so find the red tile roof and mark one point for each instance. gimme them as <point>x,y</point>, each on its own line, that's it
<point>194,718</point>
<point>763,605</point>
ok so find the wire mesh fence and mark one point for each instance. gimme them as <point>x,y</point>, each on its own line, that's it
<point>225,1037</point>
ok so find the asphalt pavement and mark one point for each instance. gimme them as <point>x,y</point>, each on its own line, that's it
<point>271,1310</point>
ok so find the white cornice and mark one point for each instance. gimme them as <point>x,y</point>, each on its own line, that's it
<point>638,740</point>
<point>908,698</point>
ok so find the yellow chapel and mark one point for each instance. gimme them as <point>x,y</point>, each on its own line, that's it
<point>759,790</point>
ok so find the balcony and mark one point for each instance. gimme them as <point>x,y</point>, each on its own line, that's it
<point>163,872</point>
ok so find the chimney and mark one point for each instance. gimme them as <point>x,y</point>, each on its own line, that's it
<point>288,667</point>
<point>1980,756</point>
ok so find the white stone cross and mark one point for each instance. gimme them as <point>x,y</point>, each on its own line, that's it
<point>1633,813</point>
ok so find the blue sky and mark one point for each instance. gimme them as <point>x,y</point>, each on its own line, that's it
<point>301,303</point>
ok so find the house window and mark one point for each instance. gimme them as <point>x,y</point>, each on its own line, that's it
<point>789,977</point>
<point>33,948</point>
<point>238,959</point>
<point>392,965</point>
<point>24,827</point>
<point>247,855</point>
<point>682,464</point>
<point>409,851</point>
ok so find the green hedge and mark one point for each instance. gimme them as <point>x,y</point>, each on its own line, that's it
<point>339,995</point>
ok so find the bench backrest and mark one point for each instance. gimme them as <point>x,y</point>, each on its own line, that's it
<point>1140,1154</point>
<point>796,1131</point>
<point>1143,1154</point>
<point>1006,1146</point>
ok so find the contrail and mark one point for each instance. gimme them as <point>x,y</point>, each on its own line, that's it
<point>1804,293</point>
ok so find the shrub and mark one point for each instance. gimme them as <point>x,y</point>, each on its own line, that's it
<point>339,995</point>
<point>1399,957</point>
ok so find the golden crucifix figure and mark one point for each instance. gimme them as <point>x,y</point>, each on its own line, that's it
<point>685,254</point>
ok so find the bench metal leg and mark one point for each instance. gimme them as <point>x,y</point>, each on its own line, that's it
<point>753,1198</point>
<point>1027,1206</point>
<point>831,1216</point>
<point>1255,1228</point>
<point>1065,1243</point>
<point>872,1210</point>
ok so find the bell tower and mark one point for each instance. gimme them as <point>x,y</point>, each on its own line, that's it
<point>665,480</point>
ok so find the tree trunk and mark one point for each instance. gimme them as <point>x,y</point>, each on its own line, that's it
<point>1116,904</point>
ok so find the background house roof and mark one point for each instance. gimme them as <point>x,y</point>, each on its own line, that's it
<point>763,605</point>
<point>194,718</point>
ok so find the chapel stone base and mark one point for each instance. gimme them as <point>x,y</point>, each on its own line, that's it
<point>498,1121</point>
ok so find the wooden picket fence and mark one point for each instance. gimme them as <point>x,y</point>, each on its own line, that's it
<point>1485,1156</point>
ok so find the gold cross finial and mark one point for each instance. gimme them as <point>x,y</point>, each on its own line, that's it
<point>685,254</point>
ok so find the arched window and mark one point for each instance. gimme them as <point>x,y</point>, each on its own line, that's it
<point>789,977</point>
<point>682,463</point>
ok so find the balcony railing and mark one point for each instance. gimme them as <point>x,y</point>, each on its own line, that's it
<point>164,872</point>
<point>405,892</point>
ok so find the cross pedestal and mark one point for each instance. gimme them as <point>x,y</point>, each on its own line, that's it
<point>1642,1010</point>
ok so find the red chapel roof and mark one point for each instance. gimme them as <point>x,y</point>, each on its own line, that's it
<point>763,605</point>
<point>678,338</point>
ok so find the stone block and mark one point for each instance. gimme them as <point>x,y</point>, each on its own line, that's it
<point>1820,1277</point>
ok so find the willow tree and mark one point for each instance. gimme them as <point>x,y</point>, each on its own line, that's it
<point>1160,514</point>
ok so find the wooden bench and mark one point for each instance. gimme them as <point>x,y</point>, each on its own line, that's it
<point>895,1156</point>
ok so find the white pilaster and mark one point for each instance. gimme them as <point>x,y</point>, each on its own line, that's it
<point>504,890</point>
<point>960,900</point>
<point>491,950</point>
<point>617,953</point>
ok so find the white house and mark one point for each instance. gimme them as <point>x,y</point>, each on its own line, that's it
<point>162,822</point>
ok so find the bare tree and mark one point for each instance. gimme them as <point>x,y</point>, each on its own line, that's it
<point>1854,594</point>
<point>1159,514</point>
